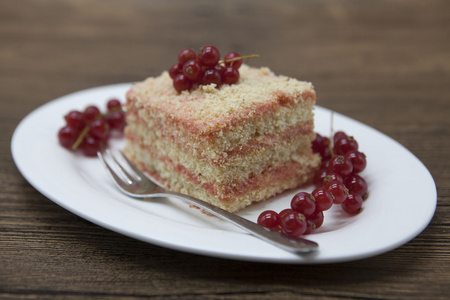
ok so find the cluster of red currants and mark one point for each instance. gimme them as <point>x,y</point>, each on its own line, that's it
<point>337,182</point>
<point>205,68</point>
<point>90,130</point>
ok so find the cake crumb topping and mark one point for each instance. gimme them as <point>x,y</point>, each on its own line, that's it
<point>209,105</point>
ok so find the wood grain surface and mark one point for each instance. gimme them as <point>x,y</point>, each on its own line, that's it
<point>384,63</point>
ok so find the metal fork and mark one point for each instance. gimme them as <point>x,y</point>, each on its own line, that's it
<point>134,183</point>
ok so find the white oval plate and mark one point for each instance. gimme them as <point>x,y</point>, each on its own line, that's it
<point>401,204</point>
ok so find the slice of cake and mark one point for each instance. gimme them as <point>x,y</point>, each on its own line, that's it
<point>229,146</point>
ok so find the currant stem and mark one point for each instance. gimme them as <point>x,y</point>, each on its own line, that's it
<point>239,57</point>
<point>81,137</point>
<point>331,145</point>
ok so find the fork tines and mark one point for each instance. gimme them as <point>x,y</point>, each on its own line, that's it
<point>119,167</point>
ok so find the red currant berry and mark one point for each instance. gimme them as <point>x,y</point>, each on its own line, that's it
<point>116,120</point>
<point>185,55</point>
<point>230,75</point>
<point>319,177</point>
<point>303,203</point>
<point>345,145</point>
<point>339,135</point>
<point>317,219</point>
<point>99,129</point>
<point>220,69</point>
<point>321,145</point>
<point>192,69</point>
<point>324,163</point>
<point>310,226</point>
<point>269,219</point>
<point>340,165</point>
<point>91,113</point>
<point>209,56</point>
<point>338,190</point>
<point>332,177</point>
<point>67,136</point>
<point>90,146</point>
<point>235,62</point>
<point>181,83</point>
<point>358,160</point>
<point>285,211</point>
<point>75,119</point>
<point>175,70</point>
<point>212,76</point>
<point>113,104</point>
<point>352,204</point>
<point>293,223</point>
<point>323,199</point>
<point>356,185</point>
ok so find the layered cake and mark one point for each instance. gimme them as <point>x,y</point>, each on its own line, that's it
<point>229,146</point>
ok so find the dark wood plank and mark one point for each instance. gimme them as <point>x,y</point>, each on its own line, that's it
<point>385,63</point>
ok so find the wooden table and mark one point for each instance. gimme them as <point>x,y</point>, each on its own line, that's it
<point>385,63</point>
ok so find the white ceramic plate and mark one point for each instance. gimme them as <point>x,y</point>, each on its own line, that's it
<point>401,204</point>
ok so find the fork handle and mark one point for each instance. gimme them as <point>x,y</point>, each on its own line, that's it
<point>282,240</point>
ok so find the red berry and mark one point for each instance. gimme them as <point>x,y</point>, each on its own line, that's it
<point>317,219</point>
<point>91,113</point>
<point>90,146</point>
<point>310,226</point>
<point>321,145</point>
<point>338,190</point>
<point>211,76</point>
<point>99,129</point>
<point>185,55</point>
<point>340,165</point>
<point>356,185</point>
<point>270,219</point>
<point>220,69</point>
<point>332,177</point>
<point>303,203</point>
<point>234,63</point>
<point>339,135</point>
<point>323,199</point>
<point>75,119</point>
<point>345,145</point>
<point>358,160</point>
<point>116,120</point>
<point>319,177</point>
<point>352,204</point>
<point>181,83</point>
<point>67,136</point>
<point>209,56</point>
<point>175,70</point>
<point>192,69</point>
<point>230,75</point>
<point>293,223</point>
<point>285,211</point>
<point>114,104</point>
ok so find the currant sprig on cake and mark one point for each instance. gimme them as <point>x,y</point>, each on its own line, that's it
<point>337,182</point>
<point>89,130</point>
<point>206,67</point>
